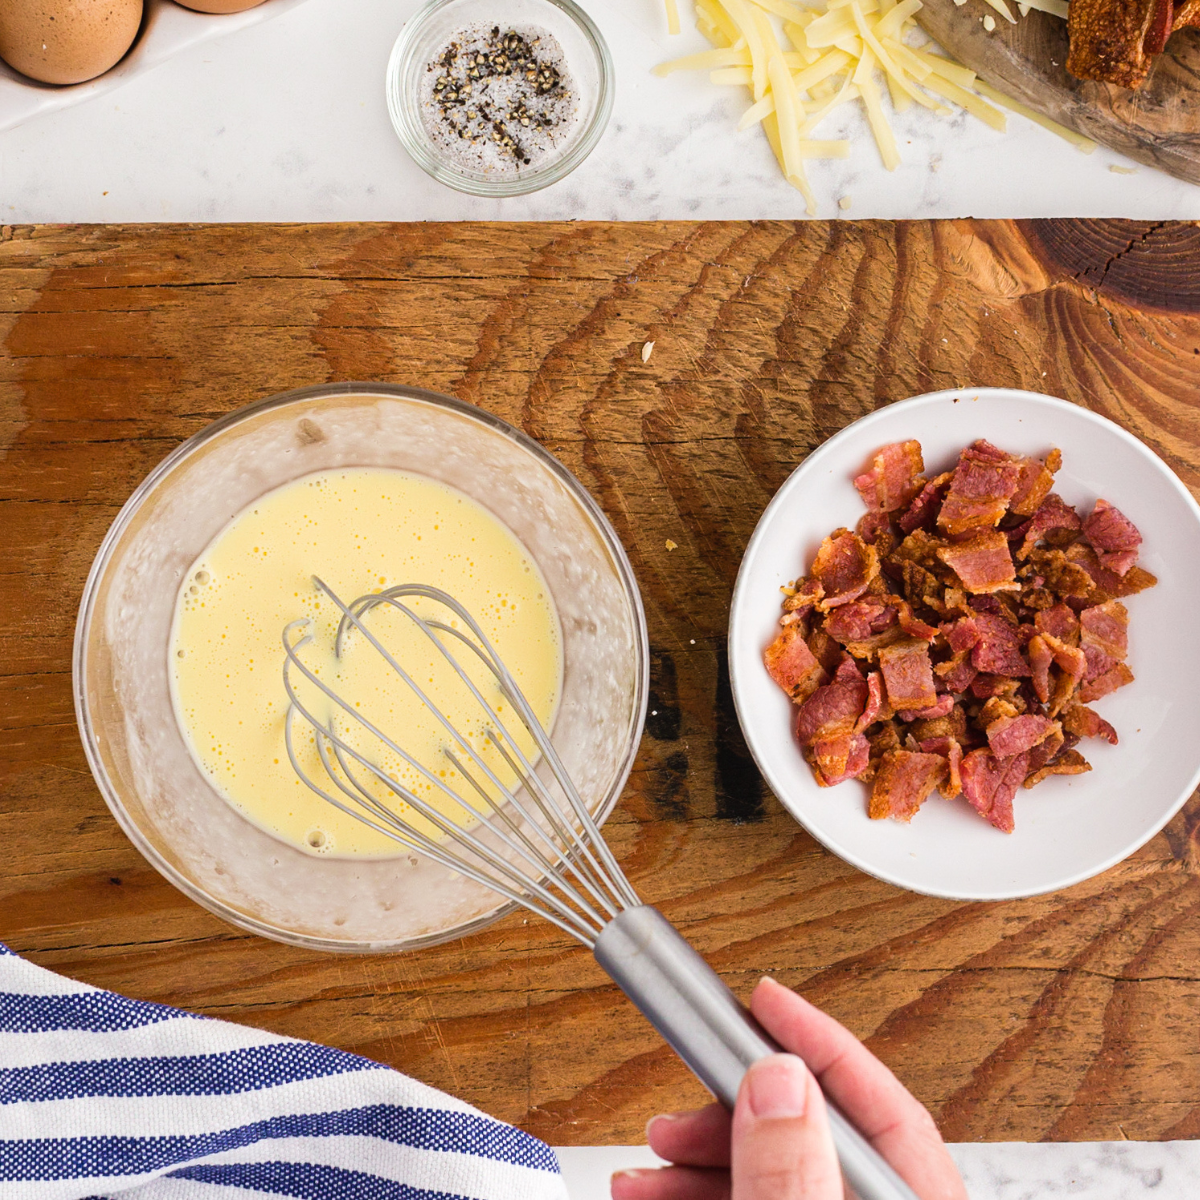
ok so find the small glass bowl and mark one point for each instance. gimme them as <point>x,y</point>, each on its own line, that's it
<point>587,60</point>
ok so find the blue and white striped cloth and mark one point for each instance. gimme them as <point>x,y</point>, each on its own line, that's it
<point>101,1096</point>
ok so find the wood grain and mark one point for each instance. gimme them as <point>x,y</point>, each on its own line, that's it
<point>1157,124</point>
<point>1070,1016</point>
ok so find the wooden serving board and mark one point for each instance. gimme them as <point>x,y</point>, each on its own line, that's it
<point>1159,124</point>
<point>1070,1016</point>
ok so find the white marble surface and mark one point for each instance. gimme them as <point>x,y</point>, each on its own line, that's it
<point>991,1170</point>
<point>285,121</point>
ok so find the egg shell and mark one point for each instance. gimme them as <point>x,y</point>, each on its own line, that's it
<point>67,41</point>
<point>220,6</point>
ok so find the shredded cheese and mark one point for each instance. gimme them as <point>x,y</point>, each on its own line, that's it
<point>800,63</point>
<point>672,16</point>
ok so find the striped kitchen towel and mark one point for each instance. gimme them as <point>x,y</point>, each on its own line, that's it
<point>101,1096</point>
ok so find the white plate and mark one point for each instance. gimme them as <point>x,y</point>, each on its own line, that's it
<point>1069,827</point>
<point>167,29</point>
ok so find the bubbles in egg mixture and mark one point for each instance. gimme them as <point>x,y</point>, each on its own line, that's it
<point>360,530</point>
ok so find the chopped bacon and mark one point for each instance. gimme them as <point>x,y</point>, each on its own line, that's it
<point>1094,689</point>
<point>980,491</point>
<point>951,751</point>
<point>874,525</point>
<point>1059,621</point>
<point>1010,736</point>
<point>844,565</point>
<point>956,673</point>
<point>1104,628</point>
<point>990,783</point>
<point>983,563</point>
<point>943,707</point>
<point>904,782</point>
<point>985,617</point>
<point>908,675</point>
<point>998,650</point>
<point>894,477</point>
<point>877,707</point>
<point>825,650</point>
<point>792,665</point>
<point>1107,584</point>
<point>860,619</point>
<point>1070,762</point>
<point>1113,536</point>
<point>1033,484</point>
<point>922,513</point>
<point>1041,658</point>
<point>912,625</point>
<point>1044,751</point>
<point>962,635</point>
<point>833,708</point>
<point>1083,722</point>
<point>840,758</point>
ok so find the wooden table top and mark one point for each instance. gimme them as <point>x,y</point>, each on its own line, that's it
<point>1069,1016</point>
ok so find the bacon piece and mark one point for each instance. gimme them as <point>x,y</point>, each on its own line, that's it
<point>1033,484</point>
<point>1116,677</point>
<point>1045,751</point>
<point>839,758</point>
<point>979,493</point>
<point>1010,736</point>
<point>951,751</point>
<point>990,783</point>
<point>1059,621</point>
<point>1113,536</point>
<point>922,513</point>
<point>875,526</point>
<point>943,707</point>
<point>825,650</point>
<point>956,673</point>
<point>912,625</point>
<point>1041,658</point>
<point>1070,762</point>
<point>791,664</point>
<point>1055,522</point>
<point>962,635</point>
<point>904,782</point>
<point>1103,636</point>
<point>894,477</point>
<point>833,708</point>
<point>998,650</point>
<point>1059,573</point>
<point>844,565</point>
<point>860,619</point>
<point>877,707</point>
<point>1108,40</point>
<point>1083,722</point>
<point>1106,584</point>
<point>908,675</point>
<point>983,563</point>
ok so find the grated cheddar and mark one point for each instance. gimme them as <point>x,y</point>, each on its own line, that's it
<point>834,55</point>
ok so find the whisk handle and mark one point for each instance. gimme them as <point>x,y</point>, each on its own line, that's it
<point>706,1025</point>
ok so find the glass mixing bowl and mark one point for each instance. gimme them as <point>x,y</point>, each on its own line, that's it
<point>148,777</point>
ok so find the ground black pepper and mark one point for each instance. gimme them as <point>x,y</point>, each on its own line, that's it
<point>504,87</point>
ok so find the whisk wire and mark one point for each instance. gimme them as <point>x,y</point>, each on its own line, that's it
<point>363,796</point>
<point>558,860</point>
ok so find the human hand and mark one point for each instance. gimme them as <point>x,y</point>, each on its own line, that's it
<point>777,1144</point>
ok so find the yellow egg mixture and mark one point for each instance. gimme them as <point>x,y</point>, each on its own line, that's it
<point>360,530</point>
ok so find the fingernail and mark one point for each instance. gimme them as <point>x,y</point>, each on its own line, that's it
<point>666,1117</point>
<point>631,1173</point>
<point>778,1087</point>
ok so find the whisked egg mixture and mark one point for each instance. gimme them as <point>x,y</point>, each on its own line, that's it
<point>361,530</point>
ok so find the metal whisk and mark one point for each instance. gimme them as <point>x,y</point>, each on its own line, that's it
<point>533,841</point>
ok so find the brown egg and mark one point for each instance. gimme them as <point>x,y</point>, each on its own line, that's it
<point>67,41</point>
<point>220,6</point>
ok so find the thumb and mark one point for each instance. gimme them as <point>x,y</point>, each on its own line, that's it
<point>782,1144</point>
